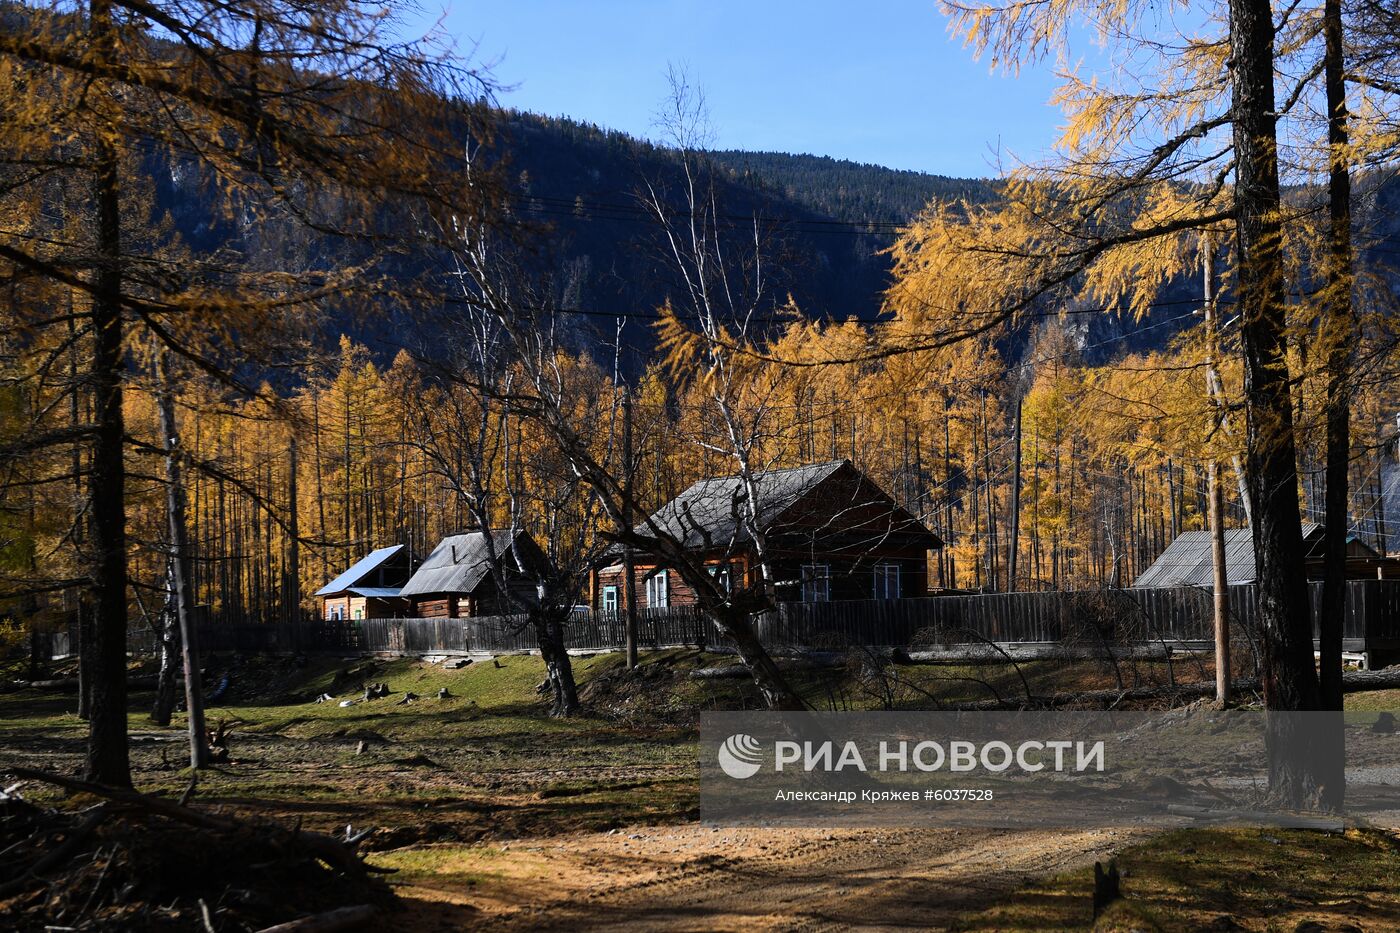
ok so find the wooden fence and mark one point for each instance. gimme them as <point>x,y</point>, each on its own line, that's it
<point>1087,619</point>
<point>586,631</point>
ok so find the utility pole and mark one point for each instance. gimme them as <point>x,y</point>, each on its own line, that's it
<point>1215,492</point>
<point>180,569</point>
<point>629,581</point>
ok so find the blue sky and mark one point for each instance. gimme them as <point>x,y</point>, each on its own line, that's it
<point>878,82</point>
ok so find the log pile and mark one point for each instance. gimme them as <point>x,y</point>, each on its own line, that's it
<point>116,859</point>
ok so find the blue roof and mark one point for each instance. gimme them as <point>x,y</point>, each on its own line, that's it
<point>362,567</point>
<point>375,592</point>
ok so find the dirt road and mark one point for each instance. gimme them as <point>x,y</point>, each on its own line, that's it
<point>691,877</point>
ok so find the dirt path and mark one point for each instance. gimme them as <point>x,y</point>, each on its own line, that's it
<point>693,878</point>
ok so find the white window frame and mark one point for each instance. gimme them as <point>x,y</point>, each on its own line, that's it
<point>610,596</point>
<point>816,583</point>
<point>885,574</point>
<point>659,590</point>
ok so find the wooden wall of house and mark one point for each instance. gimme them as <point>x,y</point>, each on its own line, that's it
<point>439,606</point>
<point>681,592</point>
<point>854,579</point>
<point>850,578</point>
<point>376,608</point>
<point>352,607</point>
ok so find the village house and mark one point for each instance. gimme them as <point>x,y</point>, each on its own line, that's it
<point>1187,560</point>
<point>830,534</point>
<point>370,588</point>
<point>455,581</point>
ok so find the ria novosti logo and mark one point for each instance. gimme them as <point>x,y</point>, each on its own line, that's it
<point>740,756</point>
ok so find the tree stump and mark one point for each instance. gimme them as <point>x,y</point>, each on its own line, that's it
<point>1106,889</point>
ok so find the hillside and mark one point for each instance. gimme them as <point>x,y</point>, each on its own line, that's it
<point>826,223</point>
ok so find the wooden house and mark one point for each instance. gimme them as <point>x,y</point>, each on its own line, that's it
<point>370,588</point>
<point>1187,560</point>
<point>830,533</point>
<point>455,581</point>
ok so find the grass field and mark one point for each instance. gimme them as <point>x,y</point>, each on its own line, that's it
<point>489,809</point>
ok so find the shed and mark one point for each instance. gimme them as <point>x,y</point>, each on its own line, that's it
<point>1187,560</point>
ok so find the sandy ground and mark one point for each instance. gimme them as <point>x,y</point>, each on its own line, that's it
<point>690,877</point>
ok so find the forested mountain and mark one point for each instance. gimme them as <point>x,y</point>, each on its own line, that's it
<point>825,224</point>
<point>824,221</point>
<point>856,192</point>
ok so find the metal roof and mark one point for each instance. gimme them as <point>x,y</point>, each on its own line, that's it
<point>713,508</point>
<point>362,568</point>
<point>375,592</point>
<point>711,513</point>
<point>1187,560</point>
<point>458,564</point>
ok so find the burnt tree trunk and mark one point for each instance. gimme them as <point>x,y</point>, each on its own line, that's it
<point>104,654</point>
<point>1289,678</point>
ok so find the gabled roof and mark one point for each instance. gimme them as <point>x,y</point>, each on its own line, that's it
<point>1187,560</point>
<point>361,569</point>
<point>711,513</point>
<point>461,562</point>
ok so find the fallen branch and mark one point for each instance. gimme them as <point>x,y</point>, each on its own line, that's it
<point>70,684</point>
<point>326,848</point>
<point>332,921</point>
<point>59,854</point>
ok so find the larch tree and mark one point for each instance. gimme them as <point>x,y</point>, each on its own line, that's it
<point>308,115</point>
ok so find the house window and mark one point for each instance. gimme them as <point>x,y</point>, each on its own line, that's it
<point>887,581</point>
<point>659,590</point>
<point>816,583</point>
<point>359,613</point>
<point>722,577</point>
<point>610,599</point>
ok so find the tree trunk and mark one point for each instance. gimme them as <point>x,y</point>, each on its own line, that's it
<point>170,646</point>
<point>1220,584</point>
<point>1215,492</point>
<point>292,586</point>
<point>104,654</point>
<point>1015,544</point>
<point>1290,682</point>
<point>180,569</point>
<point>629,565</point>
<point>771,683</point>
<point>559,669</point>
<point>1337,329</point>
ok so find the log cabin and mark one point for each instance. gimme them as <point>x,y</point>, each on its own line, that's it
<point>369,589</point>
<point>455,581</point>
<point>829,532</point>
